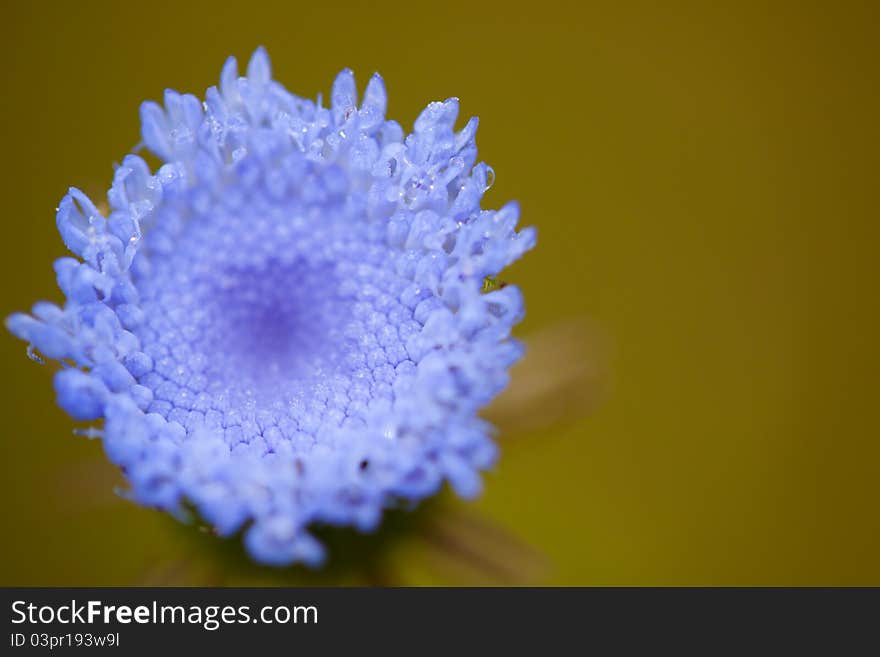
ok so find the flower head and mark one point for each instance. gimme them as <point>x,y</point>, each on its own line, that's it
<point>286,324</point>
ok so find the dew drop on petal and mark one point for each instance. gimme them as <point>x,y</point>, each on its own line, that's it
<point>490,177</point>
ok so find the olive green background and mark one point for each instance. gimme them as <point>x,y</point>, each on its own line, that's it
<point>704,179</point>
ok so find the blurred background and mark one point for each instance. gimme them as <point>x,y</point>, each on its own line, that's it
<point>699,402</point>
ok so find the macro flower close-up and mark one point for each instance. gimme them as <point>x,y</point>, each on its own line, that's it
<point>271,319</point>
<point>293,320</point>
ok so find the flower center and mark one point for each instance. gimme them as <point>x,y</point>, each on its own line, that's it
<point>285,326</point>
<point>272,329</point>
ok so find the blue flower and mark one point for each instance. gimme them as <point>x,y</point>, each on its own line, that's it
<point>286,324</point>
